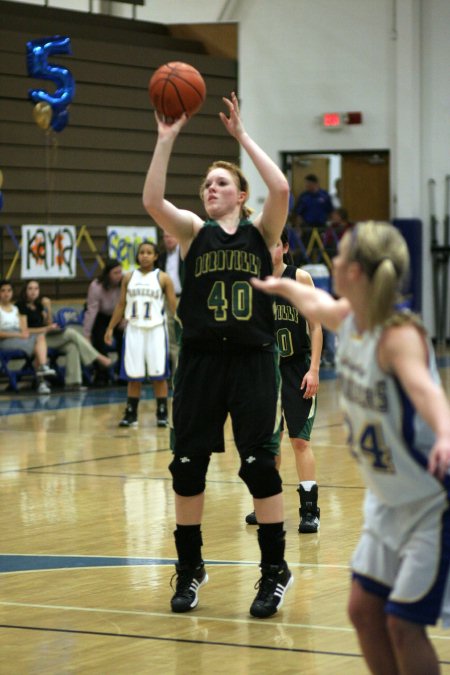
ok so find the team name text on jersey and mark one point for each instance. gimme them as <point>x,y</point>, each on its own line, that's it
<point>216,261</point>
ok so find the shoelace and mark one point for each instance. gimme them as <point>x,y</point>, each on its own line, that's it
<point>185,583</point>
<point>266,585</point>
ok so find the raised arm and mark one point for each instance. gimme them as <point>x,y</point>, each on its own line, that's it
<point>313,303</point>
<point>180,223</point>
<point>274,214</point>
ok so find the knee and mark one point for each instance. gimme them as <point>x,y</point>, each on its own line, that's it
<point>357,608</point>
<point>189,475</point>
<point>357,613</point>
<point>260,474</point>
<point>403,634</point>
<point>366,610</point>
<point>300,445</point>
<point>70,333</point>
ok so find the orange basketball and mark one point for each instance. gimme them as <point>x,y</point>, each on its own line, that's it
<point>177,88</point>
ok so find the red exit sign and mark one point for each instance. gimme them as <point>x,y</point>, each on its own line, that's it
<point>337,120</point>
<point>333,120</point>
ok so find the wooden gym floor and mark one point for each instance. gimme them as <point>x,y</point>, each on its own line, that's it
<point>87,550</point>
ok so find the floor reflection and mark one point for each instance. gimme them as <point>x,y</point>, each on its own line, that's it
<point>30,403</point>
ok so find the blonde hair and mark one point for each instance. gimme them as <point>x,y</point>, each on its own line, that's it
<point>381,251</point>
<point>239,179</point>
<point>406,318</point>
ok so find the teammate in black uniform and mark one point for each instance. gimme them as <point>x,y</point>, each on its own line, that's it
<point>228,359</point>
<point>300,345</point>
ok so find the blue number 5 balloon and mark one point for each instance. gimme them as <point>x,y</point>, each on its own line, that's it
<point>38,52</point>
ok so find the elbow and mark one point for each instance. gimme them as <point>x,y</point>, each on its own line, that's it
<point>286,187</point>
<point>283,187</point>
<point>149,204</point>
<point>148,197</point>
<point>155,212</point>
<point>152,203</point>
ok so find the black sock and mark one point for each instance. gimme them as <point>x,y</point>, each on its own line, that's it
<point>188,540</point>
<point>132,404</point>
<point>161,405</point>
<point>271,539</point>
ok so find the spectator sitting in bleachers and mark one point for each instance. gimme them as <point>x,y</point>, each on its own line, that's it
<point>103,296</point>
<point>15,335</point>
<point>77,350</point>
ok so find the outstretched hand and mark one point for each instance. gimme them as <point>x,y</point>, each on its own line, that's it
<point>233,123</point>
<point>274,285</point>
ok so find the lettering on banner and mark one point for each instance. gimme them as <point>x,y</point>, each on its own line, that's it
<point>48,251</point>
<point>123,243</point>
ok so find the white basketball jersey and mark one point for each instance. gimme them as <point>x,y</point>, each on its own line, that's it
<point>145,300</point>
<point>388,438</point>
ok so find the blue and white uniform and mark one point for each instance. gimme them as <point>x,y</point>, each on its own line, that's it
<point>404,550</point>
<point>146,334</point>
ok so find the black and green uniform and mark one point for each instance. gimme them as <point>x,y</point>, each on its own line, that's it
<point>228,356</point>
<point>295,356</point>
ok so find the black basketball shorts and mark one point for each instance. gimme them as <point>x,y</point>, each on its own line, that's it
<point>298,412</point>
<point>210,385</point>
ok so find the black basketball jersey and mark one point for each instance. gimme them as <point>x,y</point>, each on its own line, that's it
<point>218,302</point>
<point>290,326</point>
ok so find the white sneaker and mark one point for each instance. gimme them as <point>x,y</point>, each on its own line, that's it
<point>45,370</point>
<point>43,388</point>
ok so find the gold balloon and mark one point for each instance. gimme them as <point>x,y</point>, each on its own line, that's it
<point>42,113</point>
<point>1,179</point>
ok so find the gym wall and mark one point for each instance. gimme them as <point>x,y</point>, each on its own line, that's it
<point>92,172</point>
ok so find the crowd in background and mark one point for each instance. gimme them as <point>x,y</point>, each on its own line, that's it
<point>31,326</point>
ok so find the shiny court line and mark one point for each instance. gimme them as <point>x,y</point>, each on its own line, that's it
<point>166,615</point>
<point>185,617</point>
<point>214,643</point>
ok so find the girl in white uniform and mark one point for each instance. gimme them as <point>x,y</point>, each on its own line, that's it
<point>398,421</point>
<point>146,352</point>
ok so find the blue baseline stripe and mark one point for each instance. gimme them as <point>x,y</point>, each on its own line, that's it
<point>10,562</point>
<point>26,563</point>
